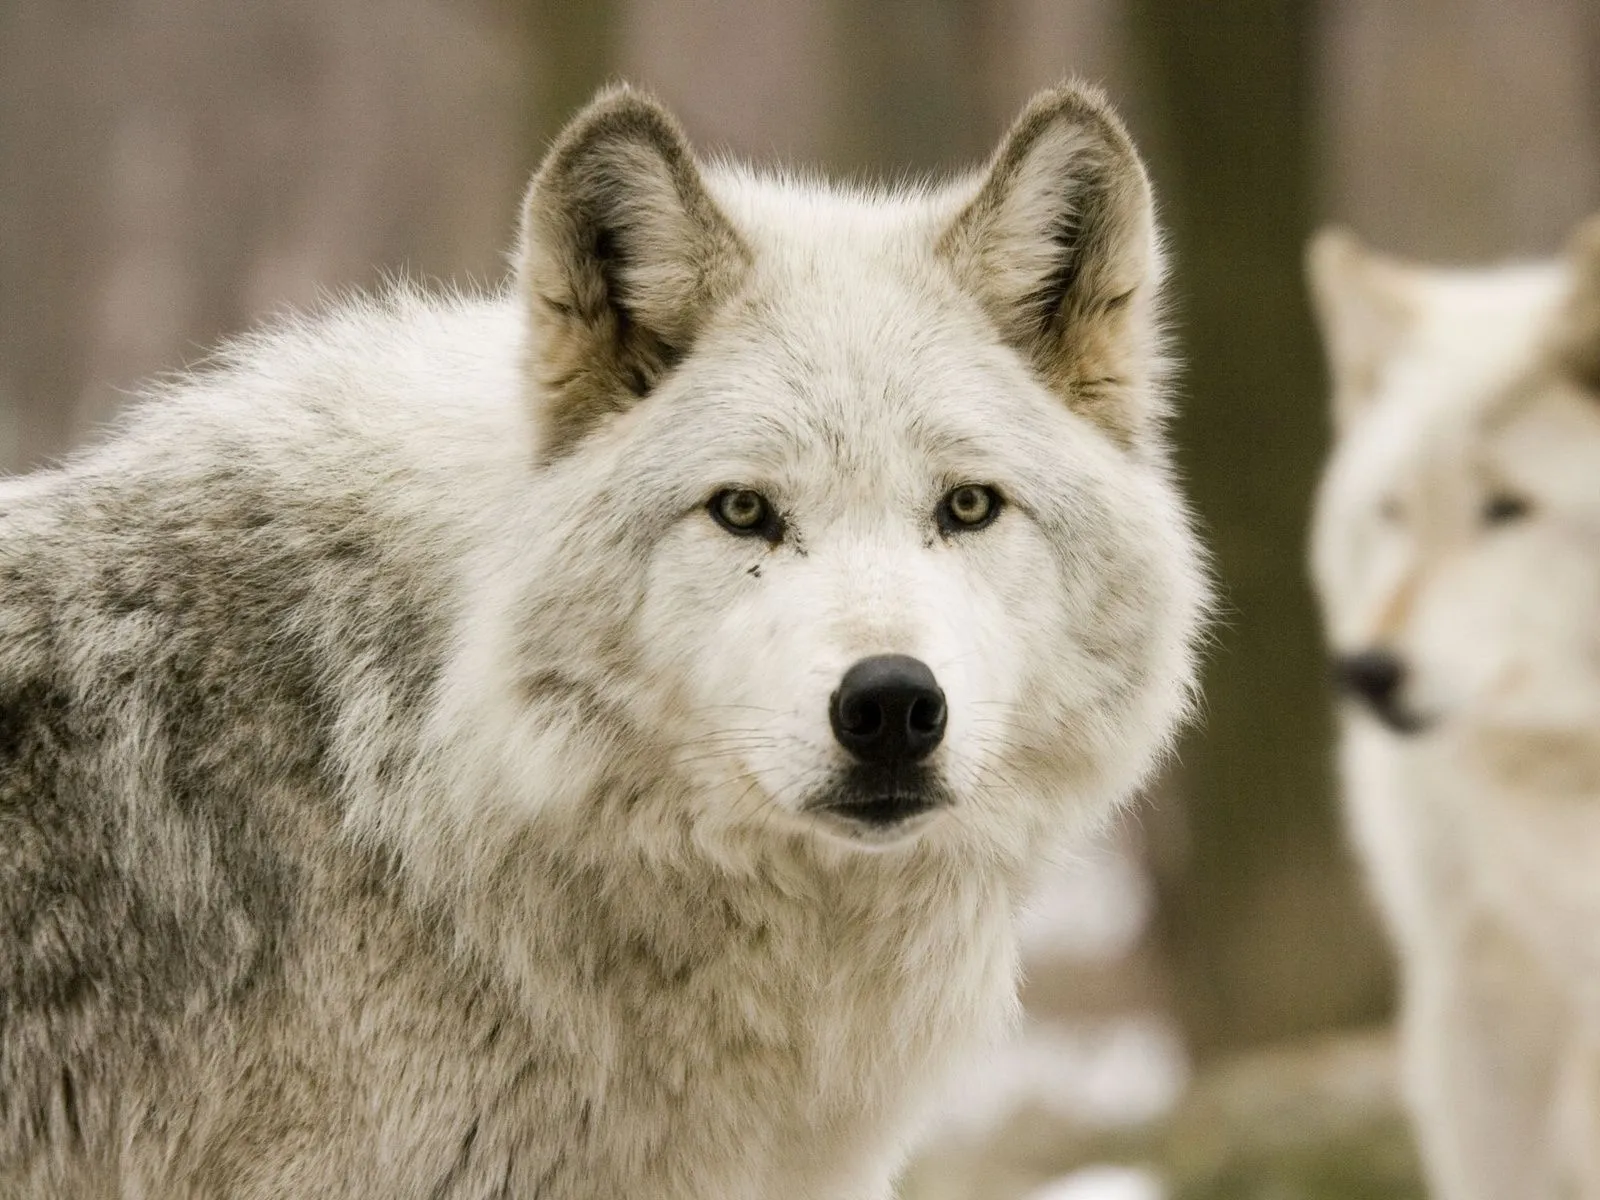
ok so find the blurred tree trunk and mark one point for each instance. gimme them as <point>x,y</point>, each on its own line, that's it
<point>911,89</point>
<point>570,51</point>
<point>1038,43</point>
<point>1262,916</point>
<point>746,76</point>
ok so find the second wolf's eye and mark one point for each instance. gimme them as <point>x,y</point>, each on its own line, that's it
<point>745,513</point>
<point>1504,508</point>
<point>970,506</point>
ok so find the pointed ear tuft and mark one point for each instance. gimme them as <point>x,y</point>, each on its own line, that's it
<point>1363,302</point>
<point>1059,245</point>
<point>1578,332</point>
<point>623,257</point>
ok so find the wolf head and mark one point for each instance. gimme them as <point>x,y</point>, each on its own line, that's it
<point>852,514</point>
<point>1456,543</point>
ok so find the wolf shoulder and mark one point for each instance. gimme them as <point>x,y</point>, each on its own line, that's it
<point>385,421</point>
<point>310,499</point>
<point>186,612</point>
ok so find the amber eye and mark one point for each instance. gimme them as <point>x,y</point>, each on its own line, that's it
<point>1504,508</point>
<point>970,506</point>
<point>745,513</point>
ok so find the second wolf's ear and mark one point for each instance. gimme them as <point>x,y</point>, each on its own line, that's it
<point>623,257</point>
<point>1364,306</point>
<point>1059,245</point>
<point>1578,334</point>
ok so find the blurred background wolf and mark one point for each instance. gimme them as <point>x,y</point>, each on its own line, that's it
<point>172,170</point>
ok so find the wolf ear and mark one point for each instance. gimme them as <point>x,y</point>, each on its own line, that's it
<point>1363,304</point>
<point>1578,333</point>
<point>1059,245</point>
<point>623,256</point>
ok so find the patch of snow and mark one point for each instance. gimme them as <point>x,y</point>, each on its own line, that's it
<point>1103,1183</point>
<point>1095,908</point>
<point>1107,1074</point>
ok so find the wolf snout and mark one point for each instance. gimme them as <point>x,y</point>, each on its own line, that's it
<point>1372,675</point>
<point>1376,678</point>
<point>888,710</point>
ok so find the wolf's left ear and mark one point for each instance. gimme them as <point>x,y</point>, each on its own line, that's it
<point>623,256</point>
<point>1578,333</point>
<point>1059,245</point>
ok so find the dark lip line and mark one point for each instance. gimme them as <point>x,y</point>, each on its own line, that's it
<point>1395,720</point>
<point>858,815</point>
<point>880,801</point>
<point>855,829</point>
<point>912,803</point>
<point>1406,724</point>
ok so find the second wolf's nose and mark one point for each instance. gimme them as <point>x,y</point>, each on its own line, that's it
<point>888,710</point>
<point>1373,675</point>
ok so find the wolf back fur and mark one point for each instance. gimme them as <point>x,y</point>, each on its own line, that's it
<point>407,788</point>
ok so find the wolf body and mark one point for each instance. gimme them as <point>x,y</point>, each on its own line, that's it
<point>591,740</point>
<point>1456,549</point>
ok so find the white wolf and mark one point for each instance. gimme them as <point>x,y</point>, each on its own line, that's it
<point>1457,551</point>
<point>590,741</point>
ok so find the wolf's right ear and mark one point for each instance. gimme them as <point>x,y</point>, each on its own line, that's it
<point>623,256</point>
<point>1363,304</point>
<point>1059,245</point>
<point>1578,331</point>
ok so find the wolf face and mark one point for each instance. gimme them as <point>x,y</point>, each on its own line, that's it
<point>1457,537</point>
<point>875,528</point>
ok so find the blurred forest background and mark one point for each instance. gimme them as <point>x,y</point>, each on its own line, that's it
<point>173,170</point>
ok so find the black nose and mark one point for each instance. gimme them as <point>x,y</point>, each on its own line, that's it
<point>1373,675</point>
<point>888,710</point>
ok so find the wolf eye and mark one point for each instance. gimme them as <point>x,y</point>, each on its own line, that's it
<point>1504,508</point>
<point>970,506</point>
<point>745,513</point>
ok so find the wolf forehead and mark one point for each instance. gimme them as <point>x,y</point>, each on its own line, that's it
<point>860,390</point>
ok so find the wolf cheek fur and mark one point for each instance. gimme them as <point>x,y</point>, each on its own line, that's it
<point>411,788</point>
